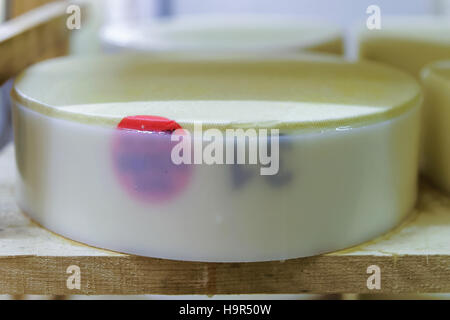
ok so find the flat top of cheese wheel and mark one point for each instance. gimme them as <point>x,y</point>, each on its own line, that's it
<point>221,32</point>
<point>308,91</point>
<point>416,28</point>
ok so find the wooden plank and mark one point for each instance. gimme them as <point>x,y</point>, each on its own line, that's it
<point>135,275</point>
<point>32,37</point>
<point>413,258</point>
<point>19,7</point>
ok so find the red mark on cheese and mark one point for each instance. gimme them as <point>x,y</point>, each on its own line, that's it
<point>149,123</point>
<point>142,150</point>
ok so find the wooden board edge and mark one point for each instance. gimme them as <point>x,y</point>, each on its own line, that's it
<point>129,275</point>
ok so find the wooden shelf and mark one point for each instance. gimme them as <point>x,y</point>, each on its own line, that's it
<point>34,36</point>
<point>413,258</point>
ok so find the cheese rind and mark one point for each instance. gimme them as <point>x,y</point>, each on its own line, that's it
<point>413,45</point>
<point>436,123</point>
<point>346,179</point>
<point>310,91</point>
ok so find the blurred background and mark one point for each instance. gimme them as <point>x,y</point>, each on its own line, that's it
<point>342,11</point>
<point>343,14</point>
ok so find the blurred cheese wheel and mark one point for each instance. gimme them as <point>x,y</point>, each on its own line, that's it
<point>436,114</point>
<point>93,144</point>
<point>408,43</point>
<point>220,34</point>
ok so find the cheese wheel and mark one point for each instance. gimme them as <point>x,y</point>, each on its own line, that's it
<point>219,33</point>
<point>436,123</point>
<point>94,157</point>
<point>408,43</point>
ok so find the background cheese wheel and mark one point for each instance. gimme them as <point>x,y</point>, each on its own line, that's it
<point>219,33</point>
<point>408,43</point>
<point>436,124</point>
<point>348,154</point>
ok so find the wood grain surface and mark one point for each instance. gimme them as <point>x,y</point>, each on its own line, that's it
<point>34,36</point>
<point>18,7</point>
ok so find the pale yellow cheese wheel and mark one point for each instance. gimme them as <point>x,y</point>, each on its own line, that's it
<point>214,33</point>
<point>436,123</point>
<point>408,43</point>
<point>348,156</point>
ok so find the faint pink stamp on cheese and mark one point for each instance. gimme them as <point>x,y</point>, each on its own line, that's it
<point>142,161</point>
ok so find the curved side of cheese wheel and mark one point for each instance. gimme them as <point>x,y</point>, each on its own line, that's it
<point>334,190</point>
<point>436,123</point>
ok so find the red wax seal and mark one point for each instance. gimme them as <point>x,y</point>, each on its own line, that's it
<point>142,149</point>
<point>149,123</point>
